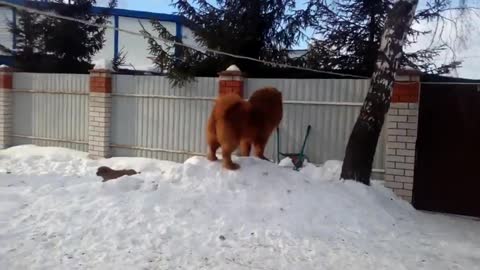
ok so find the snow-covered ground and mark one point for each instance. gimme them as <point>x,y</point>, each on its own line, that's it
<point>55,213</point>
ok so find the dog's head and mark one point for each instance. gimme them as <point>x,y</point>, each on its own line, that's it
<point>103,170</point>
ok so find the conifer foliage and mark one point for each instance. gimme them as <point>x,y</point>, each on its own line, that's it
<point>45,44</point>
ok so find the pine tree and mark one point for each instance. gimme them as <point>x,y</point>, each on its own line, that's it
<point>46,44</point>
<point>29,35</point>
<point>350,32</point>
<point>261,29</point>
<point>119,60</point>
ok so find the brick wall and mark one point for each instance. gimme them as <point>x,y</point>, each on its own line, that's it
<point>5,107</point>
<point>231,81</point>
<point>401,124</point>
<point>100,81</point>
<point>405,92</point>
<point>230,86</point>
<point>99,113</point>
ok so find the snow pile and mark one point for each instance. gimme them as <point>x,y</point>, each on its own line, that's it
<point>27,152</point>
<point>102,64</point>
<point>330,170</point>
<point>146,68</point>
<point>233,68</point>
<point>56,214</point>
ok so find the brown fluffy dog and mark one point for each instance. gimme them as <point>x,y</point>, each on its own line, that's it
<point>235,122</point>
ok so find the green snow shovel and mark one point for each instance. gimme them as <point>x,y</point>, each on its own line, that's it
<point>297,158</point>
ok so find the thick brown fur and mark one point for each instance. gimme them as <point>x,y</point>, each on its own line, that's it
<point>235,122</point>
<point>108,174</point>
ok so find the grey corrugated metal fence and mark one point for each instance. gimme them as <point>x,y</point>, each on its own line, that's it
<point>51,110</point>
<point>152,119</point>
<point>330,106</point>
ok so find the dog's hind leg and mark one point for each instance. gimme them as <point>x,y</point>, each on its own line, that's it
<point>227,151</point>
<point>259,145</point>
<point>245,147</point>
<point>212,139</point>
<point>229,138</point>
<point>212,147</point>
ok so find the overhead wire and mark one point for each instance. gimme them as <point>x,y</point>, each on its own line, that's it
<point>176,43</point>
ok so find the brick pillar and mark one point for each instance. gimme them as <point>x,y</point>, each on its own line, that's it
<point>6,83</point>
<point>231,81</point>
<point>401,123</point>
<point>99,113</point>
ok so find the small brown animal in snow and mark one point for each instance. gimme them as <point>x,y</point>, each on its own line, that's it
<point>108,174</point>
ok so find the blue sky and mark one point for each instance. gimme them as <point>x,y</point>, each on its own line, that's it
<point>164,6</point>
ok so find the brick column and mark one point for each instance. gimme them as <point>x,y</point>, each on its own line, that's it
<point>401,123</point>
<point>231,81</point>
<point>6,83</point>
<point>99,113</point>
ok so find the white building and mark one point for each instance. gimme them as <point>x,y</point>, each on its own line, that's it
<point>136,47</point>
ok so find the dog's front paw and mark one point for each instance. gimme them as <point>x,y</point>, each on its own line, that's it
<point>232,166</point>
<point>212,157</point>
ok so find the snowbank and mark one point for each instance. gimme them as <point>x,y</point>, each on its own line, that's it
<point>27,152</point>
<point>148,68</point>
<point>328,171</point>
<point>56,214</point>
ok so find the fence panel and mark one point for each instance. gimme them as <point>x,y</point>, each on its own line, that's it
<point>331,106</point>
<point>51,110</point>
<point>151,118</point>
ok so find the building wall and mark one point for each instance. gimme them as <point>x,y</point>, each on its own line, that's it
<point>107,52</point>
<point>188,37</point>
<point>6,38</point>
<point>135,46</point>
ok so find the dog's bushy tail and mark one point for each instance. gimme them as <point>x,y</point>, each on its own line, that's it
<point>231,108</point>
<point>235,112</point>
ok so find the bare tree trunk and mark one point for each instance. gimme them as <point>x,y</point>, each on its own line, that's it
<point>361,146</point>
